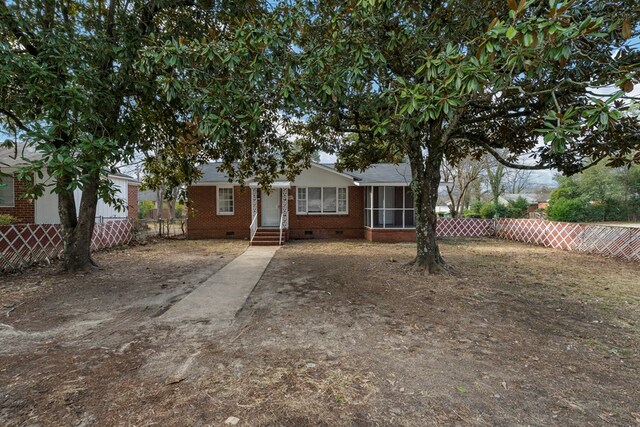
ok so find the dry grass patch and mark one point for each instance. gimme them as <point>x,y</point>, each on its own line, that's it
<point>335,333</point>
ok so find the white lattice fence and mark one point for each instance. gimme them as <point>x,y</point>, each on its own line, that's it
<point>111,233</point>
<point>559,235</point>
<point>619,242</point>
<point>464,227</point>
<point>27,244</point>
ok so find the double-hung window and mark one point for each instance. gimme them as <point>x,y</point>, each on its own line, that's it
<point>7,199</point>
<point>322,200</point>
<point>225,200</point>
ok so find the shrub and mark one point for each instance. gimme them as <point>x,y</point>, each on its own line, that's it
<point>517,208</point>
<point>572,210</point>
<point>179,210</point>
<point>490,210</point>
<point>474,210</point>
<point>6,219</point>
<point>144,208</point>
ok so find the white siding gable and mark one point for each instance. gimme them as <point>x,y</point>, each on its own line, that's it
<point>317,176</point>
<point>47,205</point>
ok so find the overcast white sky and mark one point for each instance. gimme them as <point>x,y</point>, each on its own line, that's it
<point>538,178</point>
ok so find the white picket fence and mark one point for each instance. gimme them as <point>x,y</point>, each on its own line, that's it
<point>23,245</point>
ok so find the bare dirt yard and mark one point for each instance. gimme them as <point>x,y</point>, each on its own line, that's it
<point>335,333</point>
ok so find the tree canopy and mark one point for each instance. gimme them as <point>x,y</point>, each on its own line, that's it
<point>262,86</point>
<point>436,81</point>
<point>74,85</point>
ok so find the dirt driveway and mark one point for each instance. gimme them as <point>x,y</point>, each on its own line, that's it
<point>335,333</point>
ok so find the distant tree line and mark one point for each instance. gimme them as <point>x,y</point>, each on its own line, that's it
<point>489,209</point>
<point>470,181</point>
<point>597,194</point>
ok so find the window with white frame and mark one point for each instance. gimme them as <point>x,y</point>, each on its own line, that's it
<point>322,200</point>
<point>342,199</point>
<point>7,199</point>
<point>302,200</point>
<point>225,200</point>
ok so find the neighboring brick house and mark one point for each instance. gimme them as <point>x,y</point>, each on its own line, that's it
<point>11,202</point>
<point>44,210</point>
<point>133,188</point>
<point>321,203</point>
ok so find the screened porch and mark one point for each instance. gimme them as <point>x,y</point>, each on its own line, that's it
<point>389,207</point>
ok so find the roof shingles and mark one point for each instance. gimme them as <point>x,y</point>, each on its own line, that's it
<point>381,173</point>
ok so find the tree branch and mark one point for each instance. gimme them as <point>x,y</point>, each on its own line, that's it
<point>496,115</point>
<point>15,119</point>
<point>539,166</point>
<point>22,35</point>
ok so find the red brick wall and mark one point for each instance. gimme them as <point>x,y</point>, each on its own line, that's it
<point>132,208</point>
<point>390,236</point>
<point>23,209</point>
<point>350,226</point>
<point>204,223</point>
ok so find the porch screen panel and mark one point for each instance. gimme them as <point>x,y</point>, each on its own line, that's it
<point>409,212</point>
<point>408,198</point>
<point>389,207</point>
<point>398,211</point>
<point>409,218</point>
<point>367,206</point>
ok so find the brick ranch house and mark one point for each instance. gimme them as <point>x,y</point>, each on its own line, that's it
<point>321,203</point>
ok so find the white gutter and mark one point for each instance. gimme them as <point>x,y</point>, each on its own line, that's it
<point>381,184</point>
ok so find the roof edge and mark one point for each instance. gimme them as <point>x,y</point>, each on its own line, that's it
<point>327,168</point>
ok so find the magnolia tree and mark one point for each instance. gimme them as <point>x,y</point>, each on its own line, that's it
<point>373,80</point>
<point>72,85</point>
<point>439,81</point>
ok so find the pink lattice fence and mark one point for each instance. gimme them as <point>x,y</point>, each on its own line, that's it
<point>27,244</point>
<point>611,241</point>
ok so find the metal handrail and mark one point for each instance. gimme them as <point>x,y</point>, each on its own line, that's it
<point>253,228</point>
<point>281,226</point>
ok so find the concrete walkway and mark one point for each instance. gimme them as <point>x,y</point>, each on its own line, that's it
<point>221,296</point>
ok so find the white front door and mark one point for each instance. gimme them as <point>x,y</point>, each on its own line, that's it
<point>270,205</point>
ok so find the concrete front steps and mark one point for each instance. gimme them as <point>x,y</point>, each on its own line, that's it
<point>268,237</point>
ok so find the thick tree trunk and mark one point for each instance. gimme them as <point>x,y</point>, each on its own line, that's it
<point>77,230</point>
<point>425,183</point>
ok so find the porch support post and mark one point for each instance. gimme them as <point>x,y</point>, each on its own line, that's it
<point>254,202</point>
<point>285,208</point>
